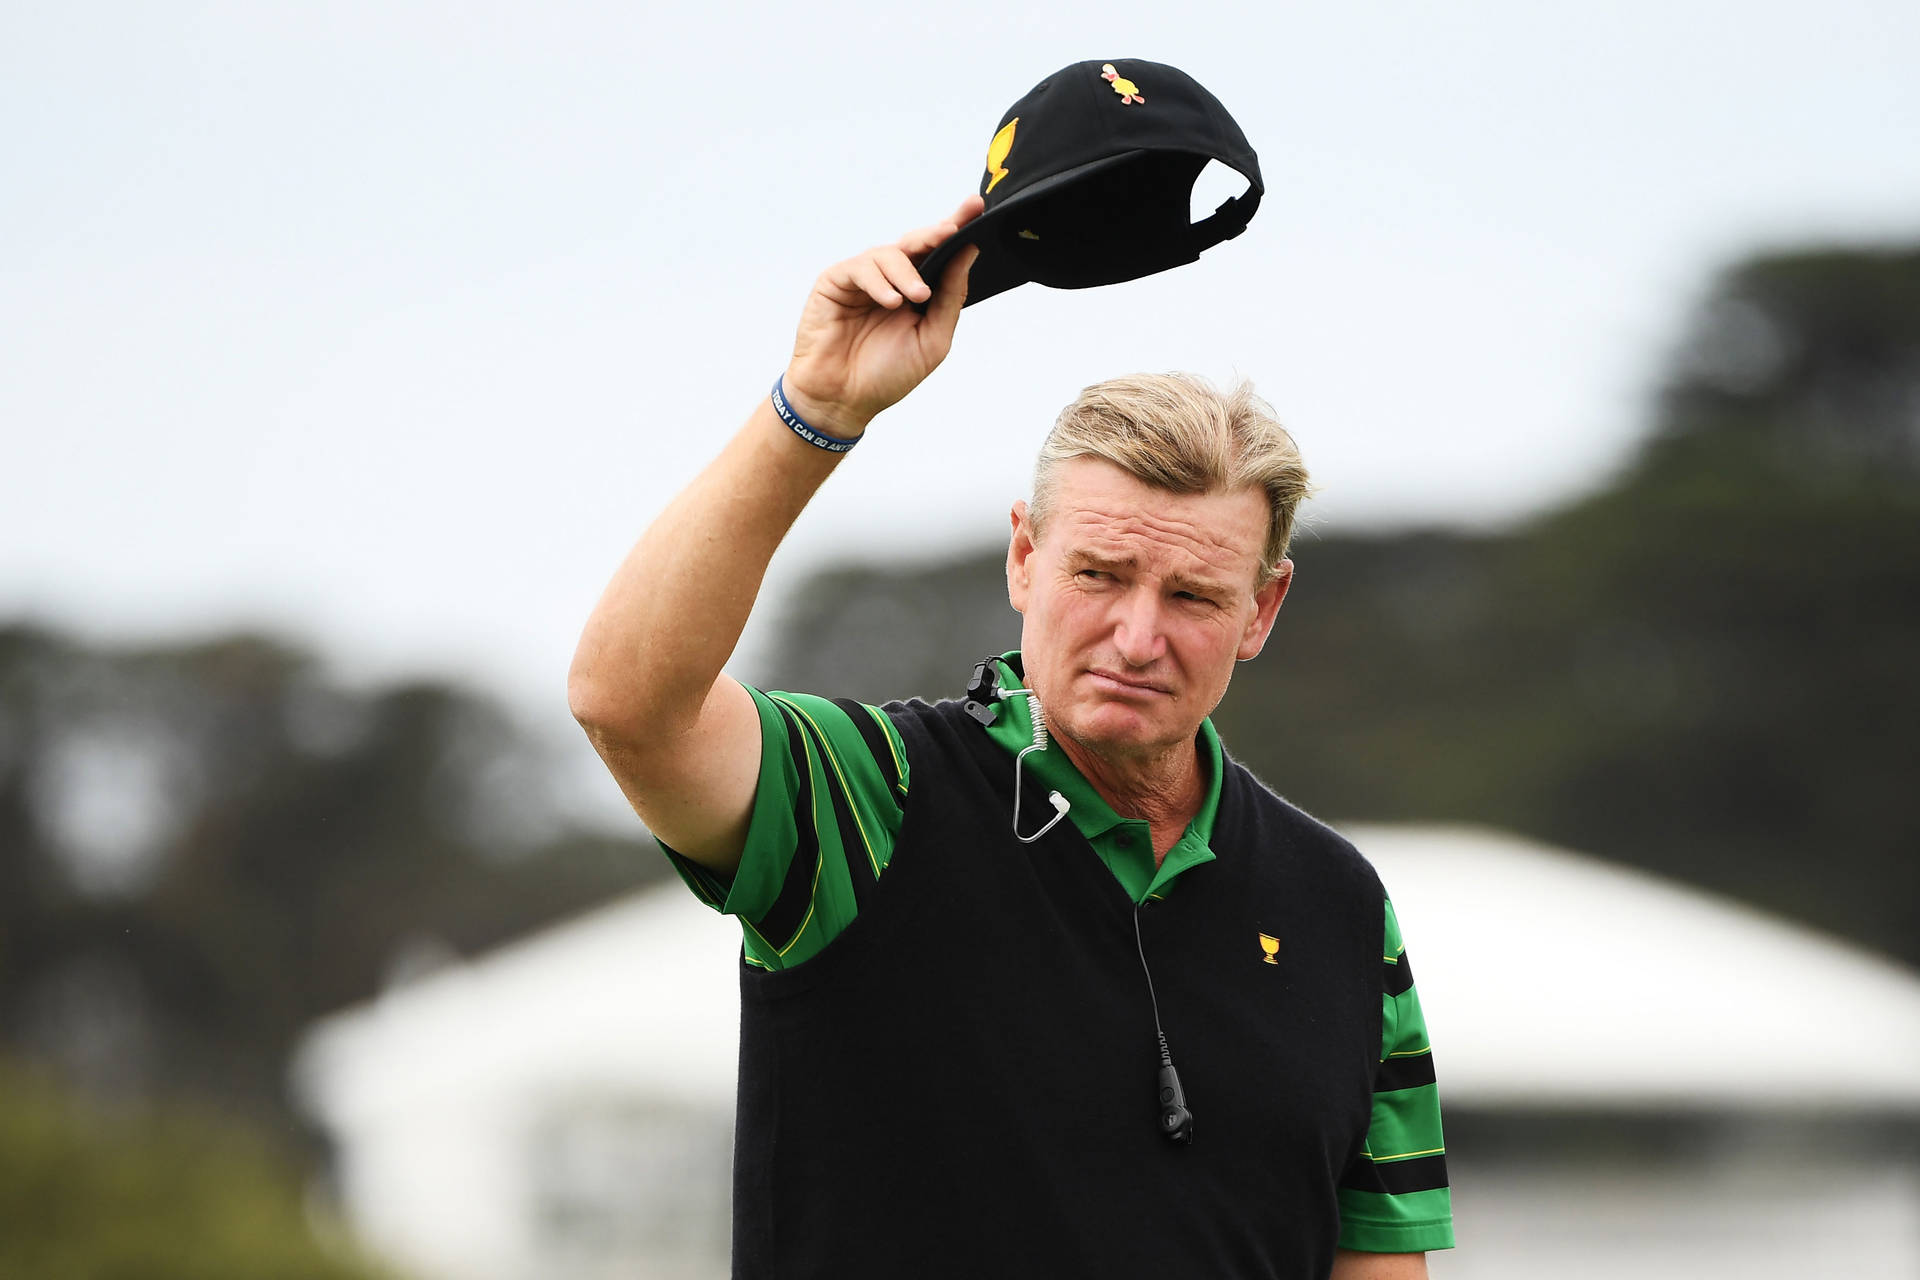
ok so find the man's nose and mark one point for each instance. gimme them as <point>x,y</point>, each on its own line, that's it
<point>1136,631</point>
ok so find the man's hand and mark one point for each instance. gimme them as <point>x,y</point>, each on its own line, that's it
<point>860,348</point>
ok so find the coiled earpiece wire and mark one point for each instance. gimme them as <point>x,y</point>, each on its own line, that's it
<point>1037,714</point>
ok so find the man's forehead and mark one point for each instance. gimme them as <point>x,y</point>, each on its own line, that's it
<point>1102,512</point>
<point>1185,573</point>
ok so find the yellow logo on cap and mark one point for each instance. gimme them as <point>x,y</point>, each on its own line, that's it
<point>997,152</point>
<point>1271,946</point>
<point>1127,89</point>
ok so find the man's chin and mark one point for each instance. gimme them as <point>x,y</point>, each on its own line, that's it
<point>1113,728</point>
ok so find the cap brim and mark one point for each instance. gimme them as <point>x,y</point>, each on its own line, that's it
<point>997,273</point>
<point>1117,218</point>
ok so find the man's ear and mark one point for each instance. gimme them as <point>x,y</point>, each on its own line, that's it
<point>1266,607</point>
<point>1019,559</point>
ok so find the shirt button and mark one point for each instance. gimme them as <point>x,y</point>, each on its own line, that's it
<point>1126,840</point>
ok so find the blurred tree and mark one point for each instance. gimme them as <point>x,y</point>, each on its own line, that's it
<point>204,847</point>
<point>91,1194</point>
<point>1814,357</point>
<point>1706,669</point>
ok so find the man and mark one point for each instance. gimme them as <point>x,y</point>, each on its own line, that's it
<point>952,1062</point>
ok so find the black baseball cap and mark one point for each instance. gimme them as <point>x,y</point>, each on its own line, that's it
<point>1089,178</point>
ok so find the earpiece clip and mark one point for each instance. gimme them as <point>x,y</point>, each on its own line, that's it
<point>982,691</point>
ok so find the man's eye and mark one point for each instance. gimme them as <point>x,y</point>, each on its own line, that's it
<point>1092,575</point>
<point>1188,595</point>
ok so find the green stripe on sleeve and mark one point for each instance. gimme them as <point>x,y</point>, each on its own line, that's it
<point>1395,1198</point>
<point>882,739</point>
<point>849,767</point>
<point>853,747</point>
<point>1406,1124</point>
<point>813,901</point>
<point>814,757</point>
<point>1413,1222</point>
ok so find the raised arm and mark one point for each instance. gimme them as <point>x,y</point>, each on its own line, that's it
<point>681,738</point>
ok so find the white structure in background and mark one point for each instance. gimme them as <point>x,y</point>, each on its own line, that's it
<point>562,1107</point>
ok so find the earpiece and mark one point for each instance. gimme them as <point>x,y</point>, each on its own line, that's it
<point>1059,803</point>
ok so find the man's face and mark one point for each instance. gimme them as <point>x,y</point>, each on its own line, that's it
<point>1137,603</point>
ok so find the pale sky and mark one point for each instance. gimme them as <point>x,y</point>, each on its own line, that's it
<point>391,325</point>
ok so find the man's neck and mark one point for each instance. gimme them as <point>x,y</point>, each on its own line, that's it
<point>1166,790</point>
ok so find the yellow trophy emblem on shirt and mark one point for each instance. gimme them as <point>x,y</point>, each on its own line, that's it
<point>1270,945</point>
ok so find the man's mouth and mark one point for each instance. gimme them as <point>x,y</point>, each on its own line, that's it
<point>1115,682</point>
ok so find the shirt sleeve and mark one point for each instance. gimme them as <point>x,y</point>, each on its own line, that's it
<point>826,812</point>
<point>1394,1198</point>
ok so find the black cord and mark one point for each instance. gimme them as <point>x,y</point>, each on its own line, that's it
<point>1176,1121</point>
<point>1166,1058</point>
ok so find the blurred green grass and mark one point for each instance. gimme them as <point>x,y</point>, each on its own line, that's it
<point>131,1192</point>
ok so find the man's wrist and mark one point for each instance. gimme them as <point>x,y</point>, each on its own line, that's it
<point>817,417</point>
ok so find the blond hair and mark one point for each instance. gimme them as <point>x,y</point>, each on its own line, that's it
<point>1178,432</point>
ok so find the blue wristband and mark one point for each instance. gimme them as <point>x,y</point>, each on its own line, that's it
<point>818,439</point>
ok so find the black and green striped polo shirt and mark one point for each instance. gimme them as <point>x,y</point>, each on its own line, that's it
<point>833,784</point>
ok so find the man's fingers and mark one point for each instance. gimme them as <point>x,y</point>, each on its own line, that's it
<point>919,243</point>
<point>943,314</point>
<point>866,275</point>
<point>884,275</point>
<point>900,273</point>
<point>922,241</point>
<point>887,275</point>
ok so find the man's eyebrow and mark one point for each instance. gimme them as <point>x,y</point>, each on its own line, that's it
<point>1198,586</point>
<point>1081,558</point>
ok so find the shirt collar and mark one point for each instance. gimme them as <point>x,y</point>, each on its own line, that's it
<point>1012,728</point>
